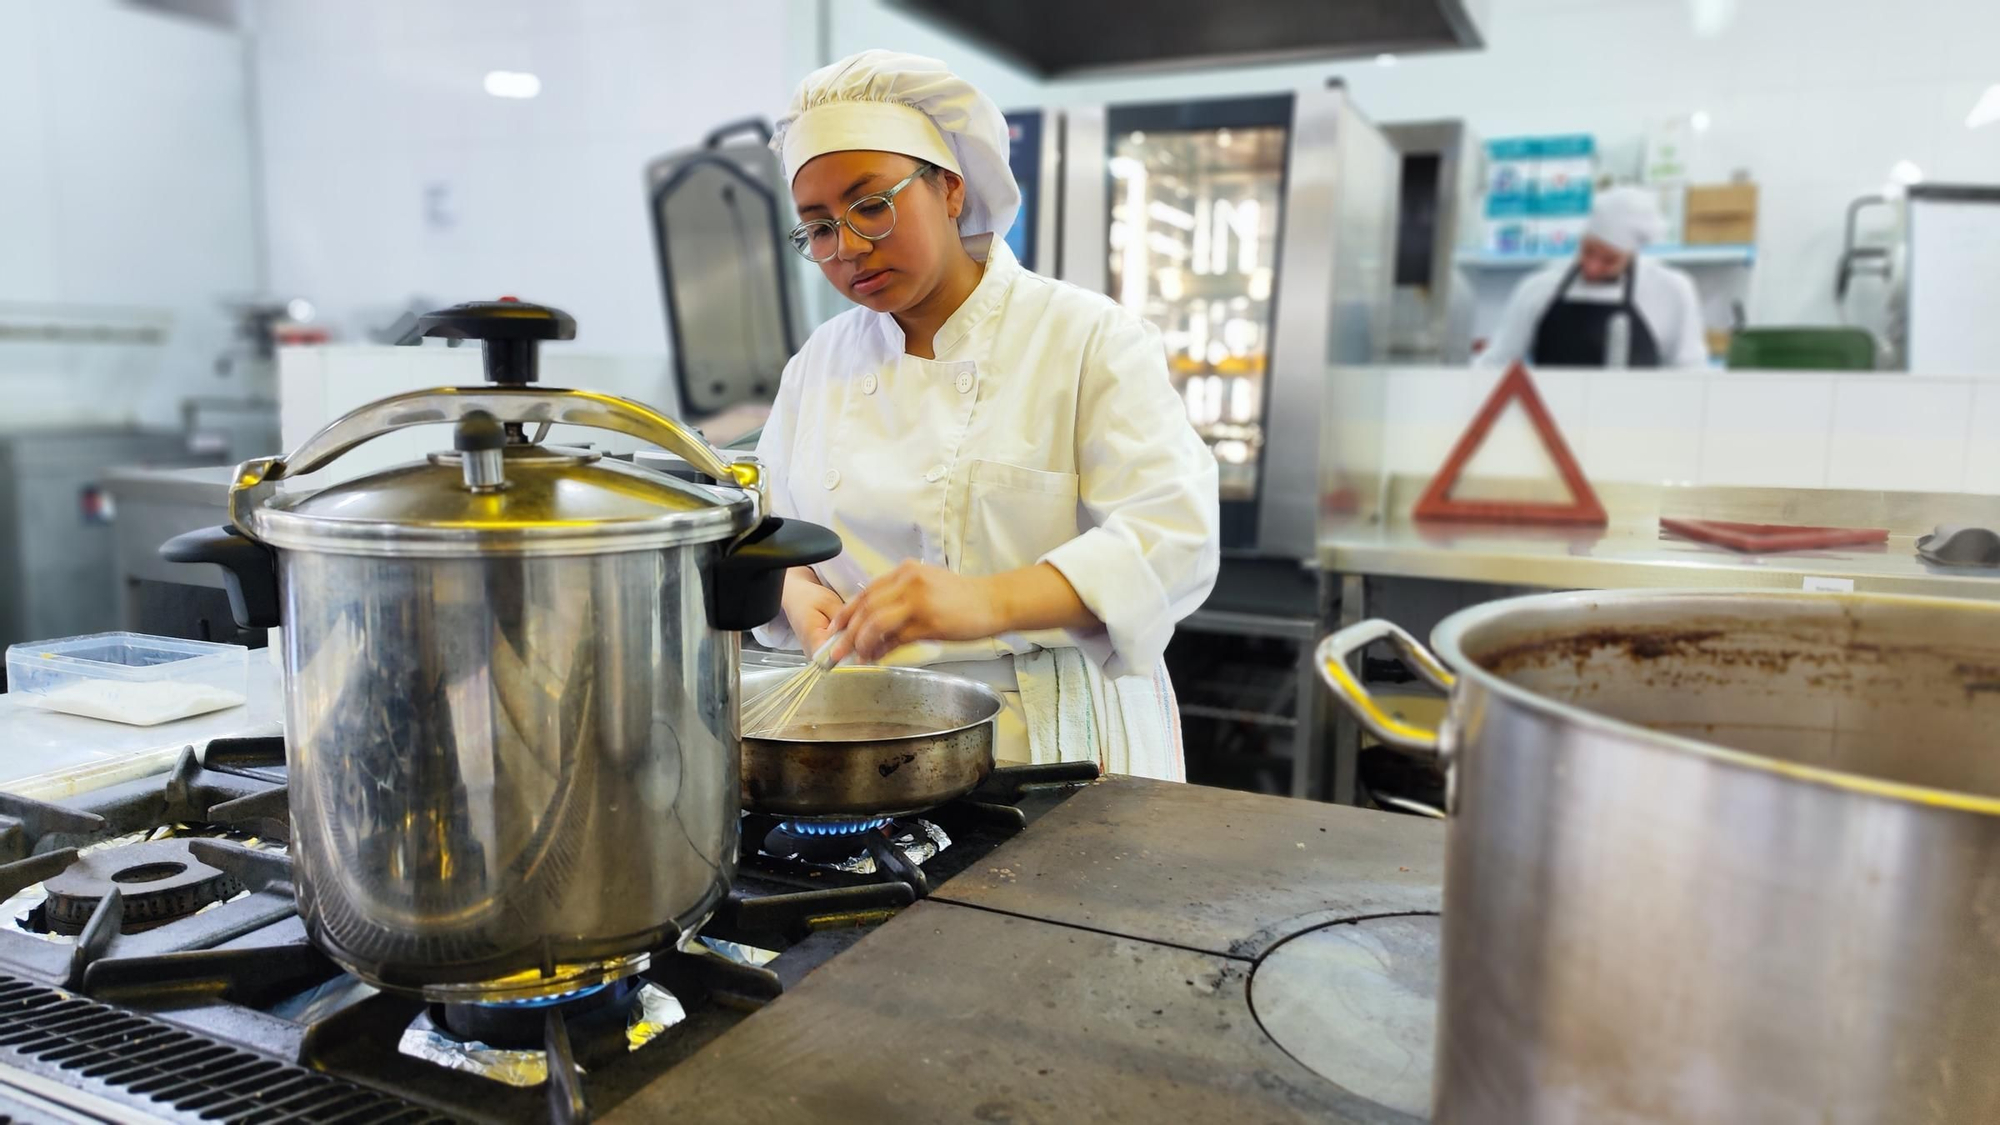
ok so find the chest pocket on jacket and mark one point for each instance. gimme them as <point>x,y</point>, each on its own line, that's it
<point>1015,515</point>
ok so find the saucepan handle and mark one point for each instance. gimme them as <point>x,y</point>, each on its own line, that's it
<point>1333,655</point>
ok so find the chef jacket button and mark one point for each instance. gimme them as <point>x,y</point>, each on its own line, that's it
<point>964,382</point>
<point>868,385</point>
<point>831,479</point>
<point>935,474</point>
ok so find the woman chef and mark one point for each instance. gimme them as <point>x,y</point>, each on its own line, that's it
<point>1562,316</point>
<point>1019,491</point>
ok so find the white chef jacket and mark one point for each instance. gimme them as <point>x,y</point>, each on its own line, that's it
<point>1664,296</point>
<point>1044,430</point>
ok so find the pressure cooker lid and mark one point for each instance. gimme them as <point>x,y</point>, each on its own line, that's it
<point>544,500</point>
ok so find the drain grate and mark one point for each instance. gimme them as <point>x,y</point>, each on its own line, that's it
<point>48,1030</point>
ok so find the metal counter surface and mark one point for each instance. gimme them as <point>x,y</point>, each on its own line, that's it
<point>1096,968</point>
<point>1632,551</point>
<point>1630,555</point>
<point>1214,870</point>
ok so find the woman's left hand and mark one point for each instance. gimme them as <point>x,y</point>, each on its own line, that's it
<point>917,602</point>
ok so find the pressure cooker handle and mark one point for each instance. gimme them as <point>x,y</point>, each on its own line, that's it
<point>745,587</point>
<point>1332,656</point>
<point>256,480</point>
<point>249,571</point>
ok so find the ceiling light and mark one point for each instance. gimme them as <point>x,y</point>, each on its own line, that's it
<point>1711,18</point>
<point>512,84</point>
<point>1700,121</point>
<point>1987,111</point>
<point>1385,60</point>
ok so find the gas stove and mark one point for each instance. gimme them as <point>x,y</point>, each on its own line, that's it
<point>152,965</point>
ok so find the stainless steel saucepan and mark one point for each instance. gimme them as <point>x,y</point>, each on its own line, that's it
<point>871,741</point>
<point>1714,856</point>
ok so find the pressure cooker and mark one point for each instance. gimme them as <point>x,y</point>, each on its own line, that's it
<point>510,675</point>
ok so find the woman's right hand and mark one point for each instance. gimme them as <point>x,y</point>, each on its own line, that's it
<point>809,608</point>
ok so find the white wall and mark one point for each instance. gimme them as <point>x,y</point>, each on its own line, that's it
<point>1895,432</point>
<point>125,200</point>
<point>1816,99</point>
<point>392,176</point>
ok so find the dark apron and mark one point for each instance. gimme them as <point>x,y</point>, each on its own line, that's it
<point>1577,333</point>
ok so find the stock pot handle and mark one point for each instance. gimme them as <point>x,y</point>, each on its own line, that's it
<point>1332,657</point>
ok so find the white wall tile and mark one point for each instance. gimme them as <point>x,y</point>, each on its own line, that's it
<point>1764,431</point>
<point>1643,428</point>
<point>1424,412</point>
<point>1899,434</point>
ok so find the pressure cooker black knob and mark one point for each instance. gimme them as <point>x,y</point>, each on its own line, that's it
<point>478,432</point>
<point>512,331</point>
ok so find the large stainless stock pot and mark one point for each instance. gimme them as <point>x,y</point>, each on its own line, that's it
<point>1714,856</point>
<point>511,677</point>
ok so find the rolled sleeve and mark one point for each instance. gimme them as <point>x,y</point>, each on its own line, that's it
<point>1149,488</point>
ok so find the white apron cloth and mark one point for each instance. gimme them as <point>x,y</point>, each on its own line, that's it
<point>1045,430</point>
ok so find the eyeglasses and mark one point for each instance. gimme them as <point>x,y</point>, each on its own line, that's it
<point>872,217</point>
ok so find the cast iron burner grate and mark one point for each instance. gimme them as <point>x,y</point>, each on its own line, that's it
<point>161,881</point>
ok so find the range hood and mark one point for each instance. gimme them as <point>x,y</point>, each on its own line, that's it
<point>1065,38</point>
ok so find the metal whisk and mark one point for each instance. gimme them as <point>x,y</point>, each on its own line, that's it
<point>772,709</point>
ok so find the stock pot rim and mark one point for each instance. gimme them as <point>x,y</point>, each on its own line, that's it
<point>1449,639</point>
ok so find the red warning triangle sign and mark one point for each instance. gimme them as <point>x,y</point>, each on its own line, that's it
<point>1583,507</point>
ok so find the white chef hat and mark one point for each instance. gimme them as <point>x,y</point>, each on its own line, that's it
<point>887,101</point>
<point>1627,218</point>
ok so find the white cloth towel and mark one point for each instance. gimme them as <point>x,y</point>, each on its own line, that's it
<point>1129,725</point>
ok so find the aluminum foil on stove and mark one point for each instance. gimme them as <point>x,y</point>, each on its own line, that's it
<point>738,952</point>
<point>920,845</point>
<point>656,1011</point>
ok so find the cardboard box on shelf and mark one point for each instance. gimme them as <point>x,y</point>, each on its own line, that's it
<point>1564,172</point>
<point>1510,175</point>
<point>1556,237</point>
<point>1721,215</point>
<point>1509,227</point>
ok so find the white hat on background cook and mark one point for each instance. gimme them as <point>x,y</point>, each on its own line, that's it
<point>1627,218</point>
<point>885,101</point>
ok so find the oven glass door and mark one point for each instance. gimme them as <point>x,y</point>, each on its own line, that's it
<point>1196,199</point>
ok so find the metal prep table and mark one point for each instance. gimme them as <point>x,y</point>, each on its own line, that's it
<point>1100,967</point>
<point>1363,554</point>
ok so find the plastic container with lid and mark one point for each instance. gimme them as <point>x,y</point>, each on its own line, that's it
<point>132,678</point>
